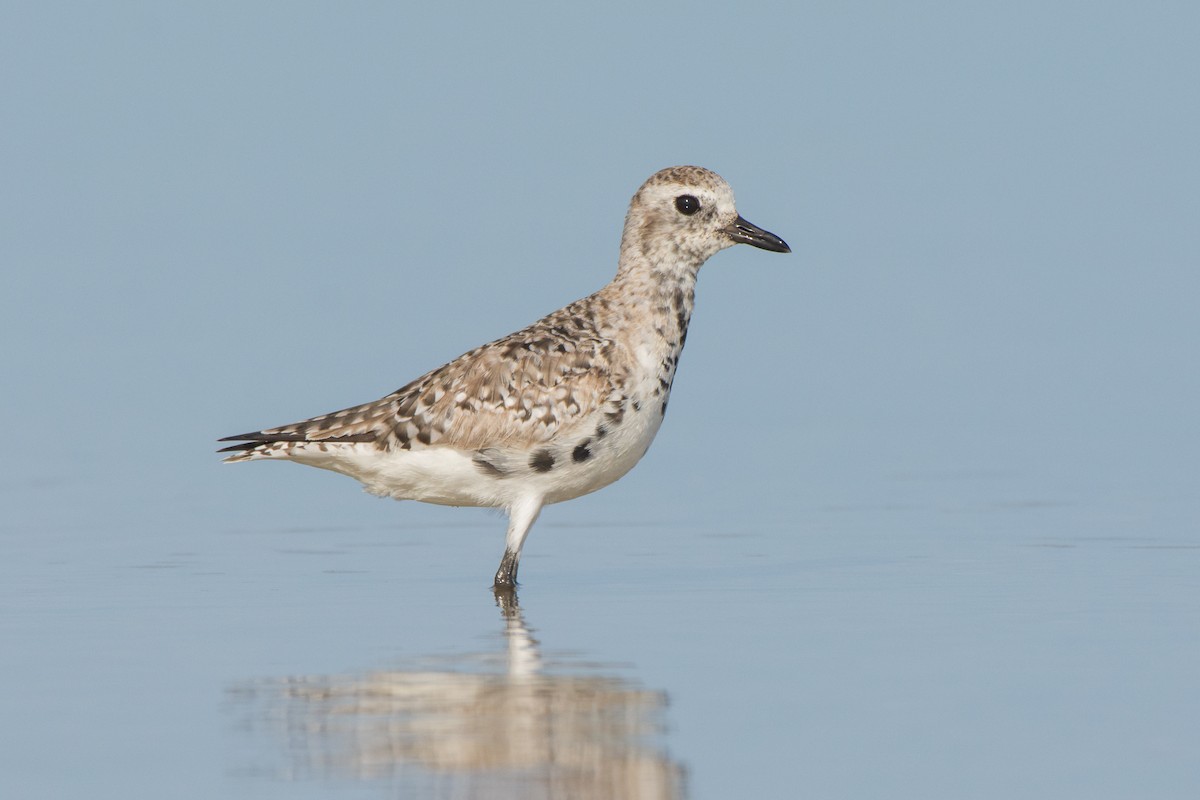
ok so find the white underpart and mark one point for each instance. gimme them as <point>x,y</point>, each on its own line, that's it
<point>450,477</point>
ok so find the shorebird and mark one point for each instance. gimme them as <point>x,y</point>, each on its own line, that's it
<point>554,411</point>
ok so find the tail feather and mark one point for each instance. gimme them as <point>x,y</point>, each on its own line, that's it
<point>262,444</point>
<point>239,446</point>
<point>263,437</point>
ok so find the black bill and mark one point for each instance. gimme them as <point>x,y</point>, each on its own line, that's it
<point>749,233</point>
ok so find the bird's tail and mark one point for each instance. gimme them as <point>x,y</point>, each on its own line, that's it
<point>364,423</point>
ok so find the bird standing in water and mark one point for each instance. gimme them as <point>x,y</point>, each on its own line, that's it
<point>554,411</point>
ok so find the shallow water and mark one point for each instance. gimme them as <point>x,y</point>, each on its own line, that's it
<point>1015,645</point>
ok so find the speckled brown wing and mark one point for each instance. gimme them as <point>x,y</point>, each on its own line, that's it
<point>523,388</point>
<point>516,391</point>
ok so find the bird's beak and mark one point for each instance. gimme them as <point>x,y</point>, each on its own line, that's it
<point>749,233</point>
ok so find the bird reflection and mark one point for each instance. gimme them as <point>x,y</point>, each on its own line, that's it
<point>484,726</point>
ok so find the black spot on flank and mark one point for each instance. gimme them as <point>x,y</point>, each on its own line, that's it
<point>541,461</point>
<point>601,431</point>
<point>637,406</point>
<point>664,408</point>
<point>581,452</point>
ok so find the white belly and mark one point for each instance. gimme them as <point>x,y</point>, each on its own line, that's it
<point>441,475</point>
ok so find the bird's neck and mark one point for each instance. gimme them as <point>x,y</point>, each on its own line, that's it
<point>653,302</point>
<point>657,258</point>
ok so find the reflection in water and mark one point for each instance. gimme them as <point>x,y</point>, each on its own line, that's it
<point>484,726</point>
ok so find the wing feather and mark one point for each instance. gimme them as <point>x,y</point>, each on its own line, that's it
<point>523,388</point>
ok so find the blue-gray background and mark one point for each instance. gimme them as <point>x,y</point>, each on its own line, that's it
<point>923,517</point>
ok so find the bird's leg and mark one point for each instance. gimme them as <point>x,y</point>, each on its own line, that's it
<point>521,516</point>
<point>506,575</point>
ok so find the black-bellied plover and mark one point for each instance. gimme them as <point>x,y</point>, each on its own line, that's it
<point>556,410</point>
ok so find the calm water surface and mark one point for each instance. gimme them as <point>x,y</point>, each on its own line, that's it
<point>1013,645</point>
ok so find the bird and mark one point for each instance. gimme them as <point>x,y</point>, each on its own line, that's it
<point>554,411</point>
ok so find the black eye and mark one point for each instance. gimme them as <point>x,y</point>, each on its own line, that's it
<point>687,204</point>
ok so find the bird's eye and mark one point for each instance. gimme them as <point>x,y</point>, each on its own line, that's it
<point>687,204</point>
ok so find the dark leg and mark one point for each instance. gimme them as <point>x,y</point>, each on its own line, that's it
<point>521,515</point>
<point>506,576</point>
